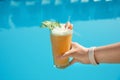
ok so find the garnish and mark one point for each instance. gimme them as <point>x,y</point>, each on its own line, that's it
<point>50,24</point>
<point>68,25</point>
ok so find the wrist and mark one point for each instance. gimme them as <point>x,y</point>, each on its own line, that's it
<point>91,56</point>
<point>87,61</point>
<point>96,55</point>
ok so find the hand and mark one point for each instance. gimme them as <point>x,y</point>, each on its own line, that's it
<point>78,53</point>
<point>102,54</point>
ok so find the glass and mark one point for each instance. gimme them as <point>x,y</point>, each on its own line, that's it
<point>60,44</point>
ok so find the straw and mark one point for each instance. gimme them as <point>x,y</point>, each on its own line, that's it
<point>69,18</point>
<point>68,21</point>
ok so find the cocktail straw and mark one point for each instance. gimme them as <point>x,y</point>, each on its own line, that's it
<point>69,18</point>
<point>68,22</point>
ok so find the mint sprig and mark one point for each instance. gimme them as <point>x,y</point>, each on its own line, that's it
<point>50,24</point>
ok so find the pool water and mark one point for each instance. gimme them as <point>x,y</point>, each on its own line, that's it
<point>25,48</point>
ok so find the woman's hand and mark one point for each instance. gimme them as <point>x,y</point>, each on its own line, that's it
<point>78,53</point>
<point>104,54</point>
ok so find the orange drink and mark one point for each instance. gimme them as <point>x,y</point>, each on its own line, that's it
<point>61,36</point>
<point>61,42</point>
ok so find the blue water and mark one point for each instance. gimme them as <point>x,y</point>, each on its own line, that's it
<point>25,48</point>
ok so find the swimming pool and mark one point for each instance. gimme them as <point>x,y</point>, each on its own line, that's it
<point>25,49</point>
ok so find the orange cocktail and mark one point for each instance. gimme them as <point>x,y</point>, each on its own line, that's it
<point>61,36</point>
<point>61,42</point>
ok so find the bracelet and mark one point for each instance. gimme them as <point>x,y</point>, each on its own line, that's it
<point>92,56</point>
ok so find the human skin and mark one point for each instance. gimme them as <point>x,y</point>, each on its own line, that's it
<point>103,54</point>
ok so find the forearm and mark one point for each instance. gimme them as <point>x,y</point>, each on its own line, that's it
<point>108,54</point>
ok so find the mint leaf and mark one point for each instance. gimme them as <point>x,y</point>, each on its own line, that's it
<point>50,24</point>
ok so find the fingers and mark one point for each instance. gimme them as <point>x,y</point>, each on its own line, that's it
<point>69,53</point>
